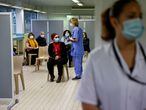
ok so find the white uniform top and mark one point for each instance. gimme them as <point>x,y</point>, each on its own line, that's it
<point>104,84</point>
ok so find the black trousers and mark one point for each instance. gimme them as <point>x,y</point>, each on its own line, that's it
<point>52,62</point>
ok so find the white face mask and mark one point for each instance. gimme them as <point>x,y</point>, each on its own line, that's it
<point>71,25</point>
<point>42,35</point>
<point>66,34</point>
<point>31,37</point>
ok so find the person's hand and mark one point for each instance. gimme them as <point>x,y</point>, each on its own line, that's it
<point>57,57</point>
<point>30,48</point>
<point>35,48</point>
<point>71,39</point>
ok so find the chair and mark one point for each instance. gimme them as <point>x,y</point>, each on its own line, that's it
<point>30,56</point>
<point>67,72</point>
<point>43,55</point>
<point>18,60</point>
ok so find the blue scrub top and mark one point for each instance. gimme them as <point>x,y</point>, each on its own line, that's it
<point>77,47</point>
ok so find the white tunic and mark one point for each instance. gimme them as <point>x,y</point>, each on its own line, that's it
<point>104,84</point>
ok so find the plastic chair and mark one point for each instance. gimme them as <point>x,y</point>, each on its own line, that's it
<point>29,57</point>
<point>43,55</point>
<point>18,61</point>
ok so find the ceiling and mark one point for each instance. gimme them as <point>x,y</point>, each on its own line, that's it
<point>46,3</point>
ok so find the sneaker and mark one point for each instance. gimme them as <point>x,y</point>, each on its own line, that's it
<point>58,80</point>
<point>76,78</point>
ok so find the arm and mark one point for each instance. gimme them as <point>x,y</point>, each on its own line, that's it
<point>73,39</point>
<point>27,45</point>
<point>50,51</point>
<point>86,106</point>
<point>87,92</point>
<point>64,53</point>
<point>75,35</point>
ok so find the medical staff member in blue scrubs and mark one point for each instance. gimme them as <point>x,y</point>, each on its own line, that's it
<point>115,74</point>
<point>77,49</point>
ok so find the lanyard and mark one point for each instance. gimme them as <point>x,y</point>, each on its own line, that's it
<point>120,63</point>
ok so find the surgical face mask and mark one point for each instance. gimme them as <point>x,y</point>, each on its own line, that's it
<point>56,39</point>
<point>71,24</point>
<point>66,34</point>
<point>31,37</point>
<point>133,29</point>
<point>42,35</point>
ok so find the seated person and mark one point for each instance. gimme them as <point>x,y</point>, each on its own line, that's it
<point>41,40</point>
<point>31,48</point>
<point>57,56</point>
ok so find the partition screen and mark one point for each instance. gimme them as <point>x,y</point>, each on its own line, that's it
<point>5,56</point>
<point>38,26</point>
<point>48,26</point>
<point>56,26</point>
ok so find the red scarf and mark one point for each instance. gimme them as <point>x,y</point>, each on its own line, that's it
<point>57,49</point>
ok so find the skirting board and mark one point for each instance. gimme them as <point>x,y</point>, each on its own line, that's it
<point>8,102</point>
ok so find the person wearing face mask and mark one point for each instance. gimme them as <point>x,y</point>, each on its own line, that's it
<point>68,43</point>
<point>41,39</point>
<point>31,48</point>
<point>57,56</point>
<point>115,74</point>
<point>77,49</point>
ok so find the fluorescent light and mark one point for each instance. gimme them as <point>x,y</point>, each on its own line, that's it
<point>43,12</point>
<point>80,4</point>
<point>3,4</point>
<point>75,1</point>
<point>37,11</point>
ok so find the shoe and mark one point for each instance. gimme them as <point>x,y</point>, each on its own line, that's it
<point>52,78</point>
<point>76,78</point>
<point>58,80</point>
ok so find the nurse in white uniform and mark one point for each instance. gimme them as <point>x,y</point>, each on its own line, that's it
<point>115,75</point>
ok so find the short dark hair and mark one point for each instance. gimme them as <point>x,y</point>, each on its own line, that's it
<point>68,32</point>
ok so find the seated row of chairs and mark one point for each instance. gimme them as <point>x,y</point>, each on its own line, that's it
<point>18,68</point>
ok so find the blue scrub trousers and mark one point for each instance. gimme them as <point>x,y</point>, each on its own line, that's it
<point>78,65</point>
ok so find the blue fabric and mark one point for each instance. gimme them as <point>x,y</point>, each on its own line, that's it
<point>77,47</point>
<point>78,65</point>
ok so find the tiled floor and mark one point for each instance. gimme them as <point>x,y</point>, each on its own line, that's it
<point>43,95</point>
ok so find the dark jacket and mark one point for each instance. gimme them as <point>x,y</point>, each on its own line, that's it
<point>86,43</point>
<point>41,41</point>
<point>63,51</point>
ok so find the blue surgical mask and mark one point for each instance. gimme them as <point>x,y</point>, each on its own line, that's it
<point>56,39</point>
<point>133,29</point>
